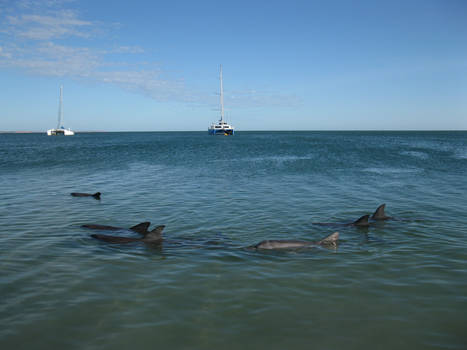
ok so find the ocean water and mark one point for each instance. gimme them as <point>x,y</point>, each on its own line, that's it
<point>397,284</point>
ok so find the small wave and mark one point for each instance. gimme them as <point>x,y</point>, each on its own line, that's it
<point>278,159</point>
<point>429,145</point>
<point>460,154</point>
<point>421,155</point>
<point>382,171</point>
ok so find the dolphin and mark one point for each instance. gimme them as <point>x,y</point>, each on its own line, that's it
<point>379,213</point>
<point>151,237</point>
<point>96,195</point>
<point>329,241</point>
<point>141,228</point>
<point>360,222</point>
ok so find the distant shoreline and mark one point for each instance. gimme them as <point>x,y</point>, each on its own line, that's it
<point>102,131</point>
<point>44,132</point>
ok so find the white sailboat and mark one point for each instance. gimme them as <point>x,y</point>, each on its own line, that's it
<point>60,130</point>
<point>221,128</point>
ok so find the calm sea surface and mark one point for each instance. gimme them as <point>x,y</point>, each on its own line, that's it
<point>400,284</point>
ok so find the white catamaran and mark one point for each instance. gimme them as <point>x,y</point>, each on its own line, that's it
<point>60,130</point>
<point>221,128</point>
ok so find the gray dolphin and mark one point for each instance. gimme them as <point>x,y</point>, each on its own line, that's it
<point>96,195</point>
<point>360,222</point>
<point>329,241</point>
<point>379,213</point>
<point>151,237</point>
<point>141,228</point>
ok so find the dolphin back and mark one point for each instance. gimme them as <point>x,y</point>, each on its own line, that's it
<point>115,239</point>
<point>96,195</point>
<point>330,241</point>
<point>141,228</point>
<point>101,227</point>
<point>281,244</point>
<point>362,221</point>
<point>155,235</point>
<point>379,213</point>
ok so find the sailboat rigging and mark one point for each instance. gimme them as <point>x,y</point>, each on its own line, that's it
<point>222,127</point>
<point>60,130</point>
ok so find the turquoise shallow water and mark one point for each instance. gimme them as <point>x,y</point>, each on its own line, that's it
<point>398,284</point>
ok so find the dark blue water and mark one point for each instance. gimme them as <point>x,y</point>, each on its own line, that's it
<point>398,284</point>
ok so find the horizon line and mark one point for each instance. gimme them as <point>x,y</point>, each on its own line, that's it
<point>252,130</point>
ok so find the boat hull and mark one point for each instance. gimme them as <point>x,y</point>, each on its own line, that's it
<point>60,132</point>
<point>221,131</point>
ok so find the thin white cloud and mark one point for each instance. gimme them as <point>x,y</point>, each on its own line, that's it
<point>60,24</point>
<point>34,28</point>
<point>254,98</point>
<point>128,49</point>
<point>51,59</point>
<point>4,53</point>
<point>41,4</point>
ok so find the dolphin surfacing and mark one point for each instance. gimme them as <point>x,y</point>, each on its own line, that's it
<point>141,228</point>
<point>360,222</point>
<point>151,237</point>
<point>96,195</point>
<point>329,241</point>
<point>379,213</point>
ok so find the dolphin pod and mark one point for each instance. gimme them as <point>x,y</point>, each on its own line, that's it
<point>329,241</point>
<point>155,236</point>
<point>141,228</point>
<point>96,195</point>
<point>151,237</point>
<point>363,221</point>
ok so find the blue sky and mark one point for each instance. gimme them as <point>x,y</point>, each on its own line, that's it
<point>287,65</point>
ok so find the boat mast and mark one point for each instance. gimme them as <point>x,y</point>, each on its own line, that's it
<point>222,97</point>
<point>60,109</point>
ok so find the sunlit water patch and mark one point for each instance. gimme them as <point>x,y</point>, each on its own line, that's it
<point>421,155</point>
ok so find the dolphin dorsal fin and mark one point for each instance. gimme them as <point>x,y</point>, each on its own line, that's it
<point>330,240</point>
<point>379,212</point>
<point>362,221</point>
<point>155,234</point>
<point>141,228</point>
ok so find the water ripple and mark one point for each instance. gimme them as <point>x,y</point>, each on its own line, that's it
<point>201,288</point>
